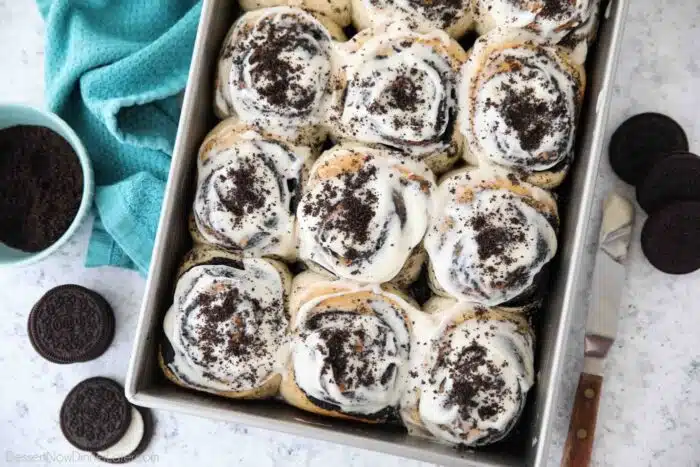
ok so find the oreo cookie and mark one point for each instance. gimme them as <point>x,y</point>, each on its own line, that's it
<point>673,178</point>
<point>671,238</point>
<point>71,324</point>
<point>95,414</point>
<point>135,440</point>
<point>419,289</point>
<point>641,141</point>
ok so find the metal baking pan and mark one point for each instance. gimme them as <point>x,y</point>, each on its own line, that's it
<point>528,444</point>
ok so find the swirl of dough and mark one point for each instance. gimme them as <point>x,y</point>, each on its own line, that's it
<point>349,350</point>
<point>363,213</point>
<point>468,381</point>
<point>520,101</point>
<point>399,88</point>
<point>227,324</point>
<point>452,16</point>
<point>336,10</point>
<point>274,72</point>
<point>490,236</point>
<point>248,187</point>
<point>550,19</point>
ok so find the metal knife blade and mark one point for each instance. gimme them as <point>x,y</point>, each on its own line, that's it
<point>608,280</point>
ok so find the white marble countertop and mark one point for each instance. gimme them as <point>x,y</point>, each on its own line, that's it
<point>650,408</point>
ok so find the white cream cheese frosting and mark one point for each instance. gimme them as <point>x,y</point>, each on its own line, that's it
<point>363,212</point>
<point>469,375</point>
<point>490,235</point>
<point>274,71</point>
<point>423,15</point>
<point>247,194</point>
<point>350,349</point>
<point>520,101</point>
<point>227,325</point>
<point>550,19</point>
<point>398,88</point>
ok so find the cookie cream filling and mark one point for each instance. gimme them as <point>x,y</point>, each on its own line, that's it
<point>130,441</point>
<point>227,325</point>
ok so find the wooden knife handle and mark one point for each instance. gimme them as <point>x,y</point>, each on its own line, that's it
<point>579,442</point>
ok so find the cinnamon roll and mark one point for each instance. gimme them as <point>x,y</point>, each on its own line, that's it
<point>227,325</point>
<point>248,188</point>
<point>550,19</point>
<point>336,10</point>
<point>490,237</point>
<point>452,16</point>
<point>399,88</point>
<point>469,376</point>
<point>364,213</point>
<point>275,71</point>
<point>580,38</point>
<point>520,101</point>
<point>349,349</point>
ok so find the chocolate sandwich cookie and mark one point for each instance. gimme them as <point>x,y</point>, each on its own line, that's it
<point>673,178</point>
<point>71,324</point>
<point>671,238</point>
<point>135,440</point>
<point>641,141</point>
<point>420,289</point>
<point>95,414</point>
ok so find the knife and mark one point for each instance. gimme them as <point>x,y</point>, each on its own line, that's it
<point>601,326</point>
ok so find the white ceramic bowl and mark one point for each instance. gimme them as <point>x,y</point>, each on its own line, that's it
<point>17,114</point>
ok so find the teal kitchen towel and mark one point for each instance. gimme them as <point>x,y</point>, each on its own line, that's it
<point>115,71</point>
